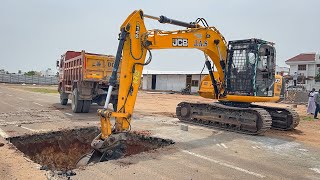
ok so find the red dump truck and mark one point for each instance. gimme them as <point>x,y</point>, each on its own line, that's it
<point>83,78</point>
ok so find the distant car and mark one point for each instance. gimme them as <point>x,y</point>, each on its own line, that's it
<point>296,88</point>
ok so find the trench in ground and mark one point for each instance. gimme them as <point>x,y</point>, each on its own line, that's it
<point>60,150</point>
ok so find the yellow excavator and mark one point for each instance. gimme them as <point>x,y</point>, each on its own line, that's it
<point>241,72</point>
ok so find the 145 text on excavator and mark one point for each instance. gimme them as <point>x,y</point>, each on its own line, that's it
<point>241,72</point>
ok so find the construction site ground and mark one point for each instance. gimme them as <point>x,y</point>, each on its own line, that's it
<point>199,153</point>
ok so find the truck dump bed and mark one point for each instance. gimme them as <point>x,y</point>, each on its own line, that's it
<point>82,66</point>
<point>83,79</point>
<point>88,66</point>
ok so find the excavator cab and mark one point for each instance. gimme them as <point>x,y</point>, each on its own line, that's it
<point>250,68</point>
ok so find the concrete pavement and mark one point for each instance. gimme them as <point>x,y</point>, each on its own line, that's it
<point>199,153</point>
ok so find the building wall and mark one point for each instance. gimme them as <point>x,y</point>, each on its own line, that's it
<point>311,70</point>
<point>16,78</point>
<point>293,68</point>
<point>318,57</point>
<point>312,84</point>
<point>146,83</point>
<point>170,82</point>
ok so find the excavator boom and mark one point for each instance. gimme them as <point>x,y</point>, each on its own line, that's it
<point>134,43</point>
<point>234,64</point>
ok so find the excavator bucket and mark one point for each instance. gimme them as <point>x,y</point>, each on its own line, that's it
<point>96,156</point>
<point>113,147</point>
<point>134,143</point>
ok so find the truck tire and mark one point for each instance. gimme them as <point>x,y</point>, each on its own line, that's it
<point>63,99</point>
<point>86,106</point>
<point>76,103</point>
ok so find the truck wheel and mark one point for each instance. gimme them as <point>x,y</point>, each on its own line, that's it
<point>86,106</point>
<point>63,99</point>
<point>76,103</point>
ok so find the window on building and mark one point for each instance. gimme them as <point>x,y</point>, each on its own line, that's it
<point>195,83</point>
<point>302,67</point>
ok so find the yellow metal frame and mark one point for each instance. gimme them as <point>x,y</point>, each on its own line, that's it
<point>134,52</point>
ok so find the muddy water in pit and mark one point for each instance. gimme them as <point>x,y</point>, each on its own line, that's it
<point>62,149</point>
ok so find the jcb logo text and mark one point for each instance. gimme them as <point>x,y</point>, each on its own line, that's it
<point>178,42</point>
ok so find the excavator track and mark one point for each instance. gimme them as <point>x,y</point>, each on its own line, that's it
<point>282,118</point>
<point>252,120</point>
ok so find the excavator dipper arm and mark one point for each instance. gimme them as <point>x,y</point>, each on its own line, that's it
<point>134,42</point>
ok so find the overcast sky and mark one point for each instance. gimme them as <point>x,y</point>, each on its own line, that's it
<point>34,33</point>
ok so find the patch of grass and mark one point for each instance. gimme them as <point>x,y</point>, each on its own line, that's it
<point>42,90</point>
<point>308,118</point>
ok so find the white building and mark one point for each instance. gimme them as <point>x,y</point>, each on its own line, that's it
<point>171,80</point>
<point>307,66</point>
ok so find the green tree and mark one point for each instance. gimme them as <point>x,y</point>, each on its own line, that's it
<point>317,78</point>
<point>30,73</point>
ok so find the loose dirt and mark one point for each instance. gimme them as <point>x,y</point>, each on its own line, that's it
<point>15,166</point>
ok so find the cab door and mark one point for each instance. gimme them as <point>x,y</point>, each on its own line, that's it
<point>265,71</point>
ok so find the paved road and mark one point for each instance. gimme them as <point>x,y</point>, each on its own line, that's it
<point>199,153</point>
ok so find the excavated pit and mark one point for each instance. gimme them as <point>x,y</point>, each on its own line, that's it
<point>61,150</point>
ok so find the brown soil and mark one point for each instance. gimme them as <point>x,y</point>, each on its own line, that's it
<point>15,166</point>
<point>163,104</point>
<point>308,131</point>
<point>57,150</point>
